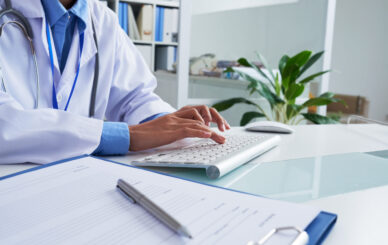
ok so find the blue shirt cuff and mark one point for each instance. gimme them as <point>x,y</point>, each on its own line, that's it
<point>154,117</point>
<point>114,139</point>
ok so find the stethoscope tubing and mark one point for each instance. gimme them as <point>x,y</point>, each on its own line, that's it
<point>25,27</point>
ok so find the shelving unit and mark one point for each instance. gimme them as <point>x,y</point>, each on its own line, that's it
<point>136,5</point>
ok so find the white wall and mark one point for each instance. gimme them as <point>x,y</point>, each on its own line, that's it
<point>360,52</point>
<point>211,6</point>
<point>271,30</point>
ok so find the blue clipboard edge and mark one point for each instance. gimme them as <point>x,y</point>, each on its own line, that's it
<point>318,229</point>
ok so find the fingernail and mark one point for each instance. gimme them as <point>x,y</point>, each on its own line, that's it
<point>222,139</point>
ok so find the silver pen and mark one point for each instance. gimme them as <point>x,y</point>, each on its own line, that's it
<point>136,196</point>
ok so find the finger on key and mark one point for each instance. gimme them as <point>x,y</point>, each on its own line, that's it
<point>217,118</point>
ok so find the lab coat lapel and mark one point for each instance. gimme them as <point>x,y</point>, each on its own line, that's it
<point>70,70</point>
<point>33,9</point>
<point>90,49</point>
<point>88,52</point>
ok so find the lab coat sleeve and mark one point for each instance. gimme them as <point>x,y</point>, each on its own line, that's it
<point>43,135</point>
<point>131,96</point>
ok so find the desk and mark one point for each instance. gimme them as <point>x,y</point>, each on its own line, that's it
<point>303,169</point>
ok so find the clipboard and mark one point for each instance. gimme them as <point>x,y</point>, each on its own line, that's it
<point>317,230</point>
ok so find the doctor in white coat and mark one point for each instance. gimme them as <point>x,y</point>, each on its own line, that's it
<point>59,126</point>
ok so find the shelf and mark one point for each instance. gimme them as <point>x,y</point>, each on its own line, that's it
<point>166,43</point>
<point>171,4</point>
<point>142,42</point>
<point>156,43</point>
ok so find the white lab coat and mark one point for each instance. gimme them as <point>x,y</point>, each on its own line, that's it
<point>124,93</point>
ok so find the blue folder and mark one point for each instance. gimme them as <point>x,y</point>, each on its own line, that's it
<point>125,17</point>
<point>121,14</point>
<point>157,25</point>
<point>317,230</point>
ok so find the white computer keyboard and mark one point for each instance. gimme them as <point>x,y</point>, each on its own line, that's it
<point>217,159</point>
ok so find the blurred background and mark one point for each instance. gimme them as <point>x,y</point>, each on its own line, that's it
<point>190,43</point>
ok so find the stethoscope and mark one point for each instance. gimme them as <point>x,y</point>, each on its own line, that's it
<point>23,24</point>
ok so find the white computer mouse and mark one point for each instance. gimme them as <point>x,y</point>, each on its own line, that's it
<point>269,127</point>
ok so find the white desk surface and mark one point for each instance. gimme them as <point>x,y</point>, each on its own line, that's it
<point>363,215</point>
<point>307,141</point>
<point>317,140</point>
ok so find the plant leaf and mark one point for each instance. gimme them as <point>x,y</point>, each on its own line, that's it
<point>265,64</point>
<point>277,85</point>
<point>263,89</point>
<point>319,101</point>
<point>245,62</point>
<point>282,63</point>
<point>318,119</point>
<point>300,59</point>
<point>311,62</point>
<point>293,110</point>
<point>248,116</point>
<point>309,78</point>
<point>290,74</point>
<point>294,90</point>
<point>335,100</point>
<point>226,104</point>
<point>229,69</point>
<point>327,95</point>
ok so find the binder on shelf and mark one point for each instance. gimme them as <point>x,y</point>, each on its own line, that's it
<point>133,32</point>
<point>159,24</point>
<point>97,178</point>
<point>165,58</point>
<point>170,25</point>
<point>144,22</point>
<point>125,17</point>
<point>174,25</point>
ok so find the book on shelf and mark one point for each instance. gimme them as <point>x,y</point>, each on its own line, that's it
<point>133,31</point>
<point>127,20</point>
<point>170,25</point>
<point>166,24</point>
<point>144,22</point>
<point>137,22</point>
<point>159,24</point>
<point>165,58</point>
<point>125,17</point>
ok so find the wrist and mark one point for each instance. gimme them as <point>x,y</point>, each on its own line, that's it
<point>133,135</point>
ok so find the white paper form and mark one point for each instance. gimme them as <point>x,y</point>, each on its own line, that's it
<point>77,203</point>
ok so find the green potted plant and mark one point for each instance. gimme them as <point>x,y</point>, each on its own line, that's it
<point>281,91</point>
